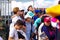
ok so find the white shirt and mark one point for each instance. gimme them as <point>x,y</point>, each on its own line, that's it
<point>14,21</point>
<point>13,33</point>
<point>23,33</point>
<point>11,26</point>
<point>1,38</point>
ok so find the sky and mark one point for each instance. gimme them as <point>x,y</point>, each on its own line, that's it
<point>46,3</point>
<point>37,3</point>
<point>24,4</point>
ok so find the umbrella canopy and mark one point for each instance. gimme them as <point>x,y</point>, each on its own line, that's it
<point>54,10</point>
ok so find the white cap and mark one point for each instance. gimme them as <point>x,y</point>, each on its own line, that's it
<point>27,16</point>
<point>21,9</point>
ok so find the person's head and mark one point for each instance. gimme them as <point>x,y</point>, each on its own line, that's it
<point>38,12</point>
<point>42,18</point>
<point>15,10</point>
<point>54,21</point>
<point>30,8</point>
<point>22,10</point>
<point>28,18</point>
<point>58,2</point>
<point>19,24</point>
<point>20,13</point>
<point>47,21</point>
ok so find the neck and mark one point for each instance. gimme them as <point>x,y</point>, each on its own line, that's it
<point>17,15</point>
<point>27,21</point>
<point>29,10</point>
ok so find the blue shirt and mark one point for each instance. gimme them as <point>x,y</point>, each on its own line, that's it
<point>28,29</point>
<point>37,21</point>
<point>47,32</point>
<point>30,13</point>
<point>35,17</point>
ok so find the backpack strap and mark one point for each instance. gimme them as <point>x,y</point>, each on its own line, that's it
<point>39,30</point>
<point>20,35</point>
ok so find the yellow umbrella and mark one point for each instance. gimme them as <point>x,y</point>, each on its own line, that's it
<point>54,10</point>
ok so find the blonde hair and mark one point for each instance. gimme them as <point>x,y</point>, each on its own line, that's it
<point>15,10</point>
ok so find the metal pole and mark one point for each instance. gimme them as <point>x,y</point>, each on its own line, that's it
<point>8,11</point>
<point>5,12</point>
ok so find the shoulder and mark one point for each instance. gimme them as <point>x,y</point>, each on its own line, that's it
<point>30,13</point>
<point>38,20</point>
<point>15,19</point>
<point>13,16</point>
<point>12,32</point>
<point>44,27</point>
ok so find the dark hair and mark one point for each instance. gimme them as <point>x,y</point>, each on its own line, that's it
<point>58,2</point>
<point>19,22</point>
<point>42,19</point>
<point>25,13</point>
<point>22,10</point>
<point>29,7</point>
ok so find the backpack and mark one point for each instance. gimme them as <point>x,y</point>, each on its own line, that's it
<point>20,36</point>
<point>40,34</point>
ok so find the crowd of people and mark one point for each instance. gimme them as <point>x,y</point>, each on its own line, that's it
<point>35,24</point>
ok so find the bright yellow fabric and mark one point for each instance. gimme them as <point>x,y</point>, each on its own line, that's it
<point>53,11</point>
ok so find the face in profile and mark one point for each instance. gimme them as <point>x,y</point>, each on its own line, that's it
<point>18,27</point>
<point>20,13</point>
<point>31,9</point>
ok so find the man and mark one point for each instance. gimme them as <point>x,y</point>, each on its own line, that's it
<point>17,16</point>
<point>15,33</point>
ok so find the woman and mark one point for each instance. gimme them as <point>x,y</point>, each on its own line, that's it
<point>48,29</point>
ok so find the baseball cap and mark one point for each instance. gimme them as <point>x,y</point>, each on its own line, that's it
<point>21,9</point>
<point>47,19</point>
<point>38,11</point>
<point>53,19</point>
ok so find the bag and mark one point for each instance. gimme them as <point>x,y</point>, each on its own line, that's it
<point>44,36</point>
<point>20,36</point>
